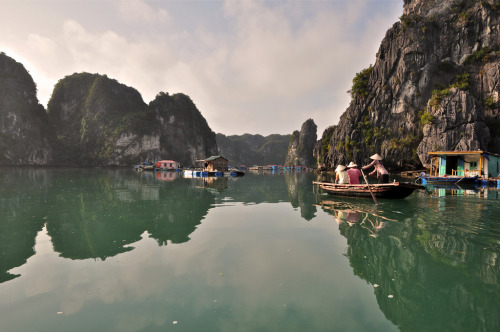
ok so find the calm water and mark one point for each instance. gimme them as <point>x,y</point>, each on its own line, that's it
<point>116,250</point>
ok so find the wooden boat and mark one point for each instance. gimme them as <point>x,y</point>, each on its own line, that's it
<point>394,190</point>
<point>236,172</point>
<point>449,179</point>
<point>144,166</point>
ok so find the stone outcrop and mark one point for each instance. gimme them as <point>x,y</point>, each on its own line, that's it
<point>25,133</point>
<point>184,132</point>
<point>452,128</point>
<point>434,85</point>
<point>99,121</point>
<point>301,147</point>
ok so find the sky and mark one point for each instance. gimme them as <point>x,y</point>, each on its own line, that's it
<point>257,67</point>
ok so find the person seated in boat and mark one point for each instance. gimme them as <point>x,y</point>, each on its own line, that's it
<point>353,173</point>
<point>382,173</point>
<point>341,175</point>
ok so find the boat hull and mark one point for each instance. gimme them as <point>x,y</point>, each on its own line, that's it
<point>449,179</point>
<point>394,190</point>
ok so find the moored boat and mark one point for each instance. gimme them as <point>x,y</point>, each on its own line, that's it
<point>236,172</point>
<point>144,166</point>
<point>394,190</point>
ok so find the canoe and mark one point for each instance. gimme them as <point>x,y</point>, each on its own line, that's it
<point>394,190</point>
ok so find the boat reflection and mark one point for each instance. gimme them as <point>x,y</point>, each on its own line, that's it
<point>457,190</point>
<point>354,214</point>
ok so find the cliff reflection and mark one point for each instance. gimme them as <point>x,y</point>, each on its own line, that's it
<point>22,216</point>
<point>429,270</point>
<point>92,213</point>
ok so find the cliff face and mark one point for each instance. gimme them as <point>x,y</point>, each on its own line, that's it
<point>251,150</point>
<point>301,147</point>
<point>185,134</point>
<point>434,86</point>
<point>25,134</point>
<point>99,121</point>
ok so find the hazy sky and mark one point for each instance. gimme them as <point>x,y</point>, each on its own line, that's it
<point>258,67</point>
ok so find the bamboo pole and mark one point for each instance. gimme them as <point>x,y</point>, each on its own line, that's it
<point>369,188</point>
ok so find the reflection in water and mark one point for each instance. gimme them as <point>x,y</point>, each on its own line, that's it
<point>430,270</point>
<point>99,213</point>
<point>93,214</point>
<point>431,260</point>
<point>22,217</point>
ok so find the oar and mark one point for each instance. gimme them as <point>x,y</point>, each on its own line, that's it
<point>369,188</point>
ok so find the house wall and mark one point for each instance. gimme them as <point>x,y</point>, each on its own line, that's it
<point>217,165</point>
<point>493,167</point>
<point>168,165</point>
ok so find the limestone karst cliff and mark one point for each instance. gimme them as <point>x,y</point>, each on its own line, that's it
<point>249,150</point>
<point>25,135</point>
<point>434,86</point>
<point>301,147</point>
<point>99,121</point>
<point>184,133</point>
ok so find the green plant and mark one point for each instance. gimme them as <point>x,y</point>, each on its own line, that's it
<point>481,55</point>
<point>407,20</point>
<point>490,102</point>
<point>360,83</point>
<point>461,82</point>
<point>427,118</point>
<point>437,97</point>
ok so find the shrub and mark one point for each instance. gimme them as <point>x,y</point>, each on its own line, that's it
<point>490,102</point>
<point>427,118</point>
<point>437,96</point>
<point>461,82</point>
<point>481,55</point>
<point>360,83</point>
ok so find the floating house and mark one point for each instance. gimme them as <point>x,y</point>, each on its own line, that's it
<point>215,164</point>
<point>464,164</point>
<point>167,165</point>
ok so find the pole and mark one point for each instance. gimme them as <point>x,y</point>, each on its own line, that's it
<point>369,188</point>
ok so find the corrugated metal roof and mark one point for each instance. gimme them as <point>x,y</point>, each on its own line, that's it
<point>214,157</point>
<point>456,153</point>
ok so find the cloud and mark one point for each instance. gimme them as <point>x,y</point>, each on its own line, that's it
<point>140,11</point>
<point>274,71</point>
<point>249,66</point>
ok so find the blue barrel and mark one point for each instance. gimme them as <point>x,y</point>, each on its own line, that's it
<point>423,181</point>
<point>498,184</point>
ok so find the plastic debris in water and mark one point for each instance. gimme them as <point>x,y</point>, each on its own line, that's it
<point>375,285</point>
<point>174,322</point>
<point>390,296</point>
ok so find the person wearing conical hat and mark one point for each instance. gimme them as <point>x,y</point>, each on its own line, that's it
<point>382,173</point>
<point>353,173</point>
<point>341,175</point>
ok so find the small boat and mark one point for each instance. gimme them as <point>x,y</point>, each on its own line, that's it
<point>450,179</point>
<point>380,190</point>
<point>236,172</point>
<point>144,166</point>
<point>188,173</point>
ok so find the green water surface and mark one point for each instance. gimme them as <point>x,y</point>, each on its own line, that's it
<point>119,250</point>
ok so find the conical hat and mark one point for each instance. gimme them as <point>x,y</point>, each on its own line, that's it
<point>376,157</point>
<point>340,168</point>
<point>351,164</point>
